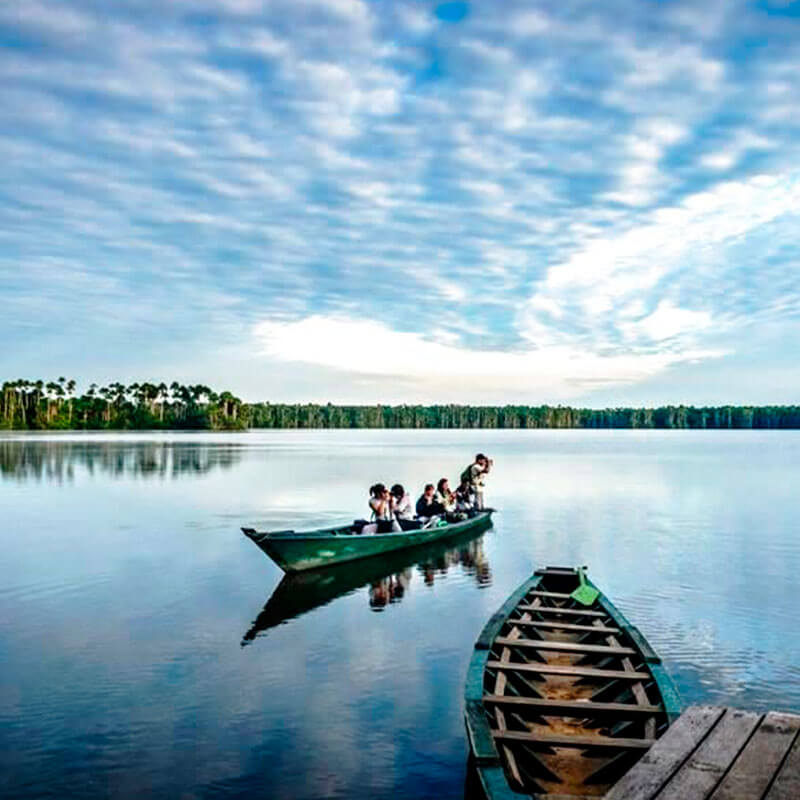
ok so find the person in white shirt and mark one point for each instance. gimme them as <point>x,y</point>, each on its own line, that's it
<point>403,508</point>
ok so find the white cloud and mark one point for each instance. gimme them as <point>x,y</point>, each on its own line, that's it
<point>667,321</point>
<point>370,348</point>
<point>623,293</point>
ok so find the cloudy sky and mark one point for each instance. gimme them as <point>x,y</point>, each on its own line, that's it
<point>365,200</point>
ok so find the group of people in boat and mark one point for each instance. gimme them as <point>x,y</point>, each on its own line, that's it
<point>392,509</point>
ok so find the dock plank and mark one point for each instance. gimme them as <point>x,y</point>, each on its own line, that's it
<point>787,782</point>
<point>664,758</point>
<point>699,776</point>
<point>754,769</point>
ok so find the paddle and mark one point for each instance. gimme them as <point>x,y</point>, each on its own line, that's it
<point>584,594</point>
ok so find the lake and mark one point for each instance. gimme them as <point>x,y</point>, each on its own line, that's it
<point>144,653</point>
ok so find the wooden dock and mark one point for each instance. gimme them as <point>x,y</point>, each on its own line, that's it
<point>713,753</point>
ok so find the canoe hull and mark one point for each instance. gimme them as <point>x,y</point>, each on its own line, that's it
<point>295,552</point>
<point>566,670</point>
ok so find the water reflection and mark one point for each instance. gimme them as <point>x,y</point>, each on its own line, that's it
<point>389,578</point>
<point>59,461</point>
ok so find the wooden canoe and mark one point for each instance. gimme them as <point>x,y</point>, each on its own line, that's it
<point>294,552</point>
<point>562,699</point>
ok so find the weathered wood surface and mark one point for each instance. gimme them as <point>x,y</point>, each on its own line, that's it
<point>499,688</point>
<point>719,754</point>
<point>576,672</point>
<point>566,626</point>
<point>574,612</point>
<point>572,708</point>
<point>706,766</point>
<point>663,759</point>
<point>638,689</point>
<point>754,769</point>
<point>568,740</point>
<point>787,782</point>
<point>566,647</point>
<point>551,595</point>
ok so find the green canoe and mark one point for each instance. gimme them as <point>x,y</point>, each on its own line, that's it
<point>294,552</point>
<point>562,698</point>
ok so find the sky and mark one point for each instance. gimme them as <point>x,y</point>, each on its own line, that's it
<point>372,201</point>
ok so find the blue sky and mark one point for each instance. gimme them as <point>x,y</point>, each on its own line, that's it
<point>592,203</point>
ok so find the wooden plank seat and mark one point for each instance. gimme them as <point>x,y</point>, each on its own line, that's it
<point>566,740</point>
<point>551,595</point>
<point>565,647</point>
<point>565,626</point>
<point>564,669</point>
<point>575,612</point>
<point>573,708</point>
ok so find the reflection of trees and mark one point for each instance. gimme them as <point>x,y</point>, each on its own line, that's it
<point>54,460</point>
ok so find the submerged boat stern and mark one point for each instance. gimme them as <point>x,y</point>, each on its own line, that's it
<point>562,698</point>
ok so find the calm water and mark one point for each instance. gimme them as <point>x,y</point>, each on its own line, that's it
<point>144,654</point>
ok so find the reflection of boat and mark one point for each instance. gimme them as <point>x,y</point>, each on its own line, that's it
<point>300,592</point>
<point>293,552</point>
<point>562,699</point>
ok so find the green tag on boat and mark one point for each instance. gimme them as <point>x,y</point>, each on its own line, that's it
<point>584,594</point>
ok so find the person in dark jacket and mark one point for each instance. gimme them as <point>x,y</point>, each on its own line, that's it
<point>427,506</point>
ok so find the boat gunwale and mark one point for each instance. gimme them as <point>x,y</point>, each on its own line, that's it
<point>482,745</point>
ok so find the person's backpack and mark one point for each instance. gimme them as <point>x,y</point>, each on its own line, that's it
<point>466,475</point>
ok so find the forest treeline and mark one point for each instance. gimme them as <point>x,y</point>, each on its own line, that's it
<point>52,405</point>
<point>309,415</point>
<point>55,405</point>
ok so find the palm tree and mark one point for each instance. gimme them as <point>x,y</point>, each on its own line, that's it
<point>51,389</point>
<point>19,389</point>
<point>162,389</point>
<point>107,393</point>
<point>70,392</point>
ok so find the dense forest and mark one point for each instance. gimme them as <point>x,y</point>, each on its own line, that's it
<point>36,405</point>
<point>269,415</point>
<point>54,405</point>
